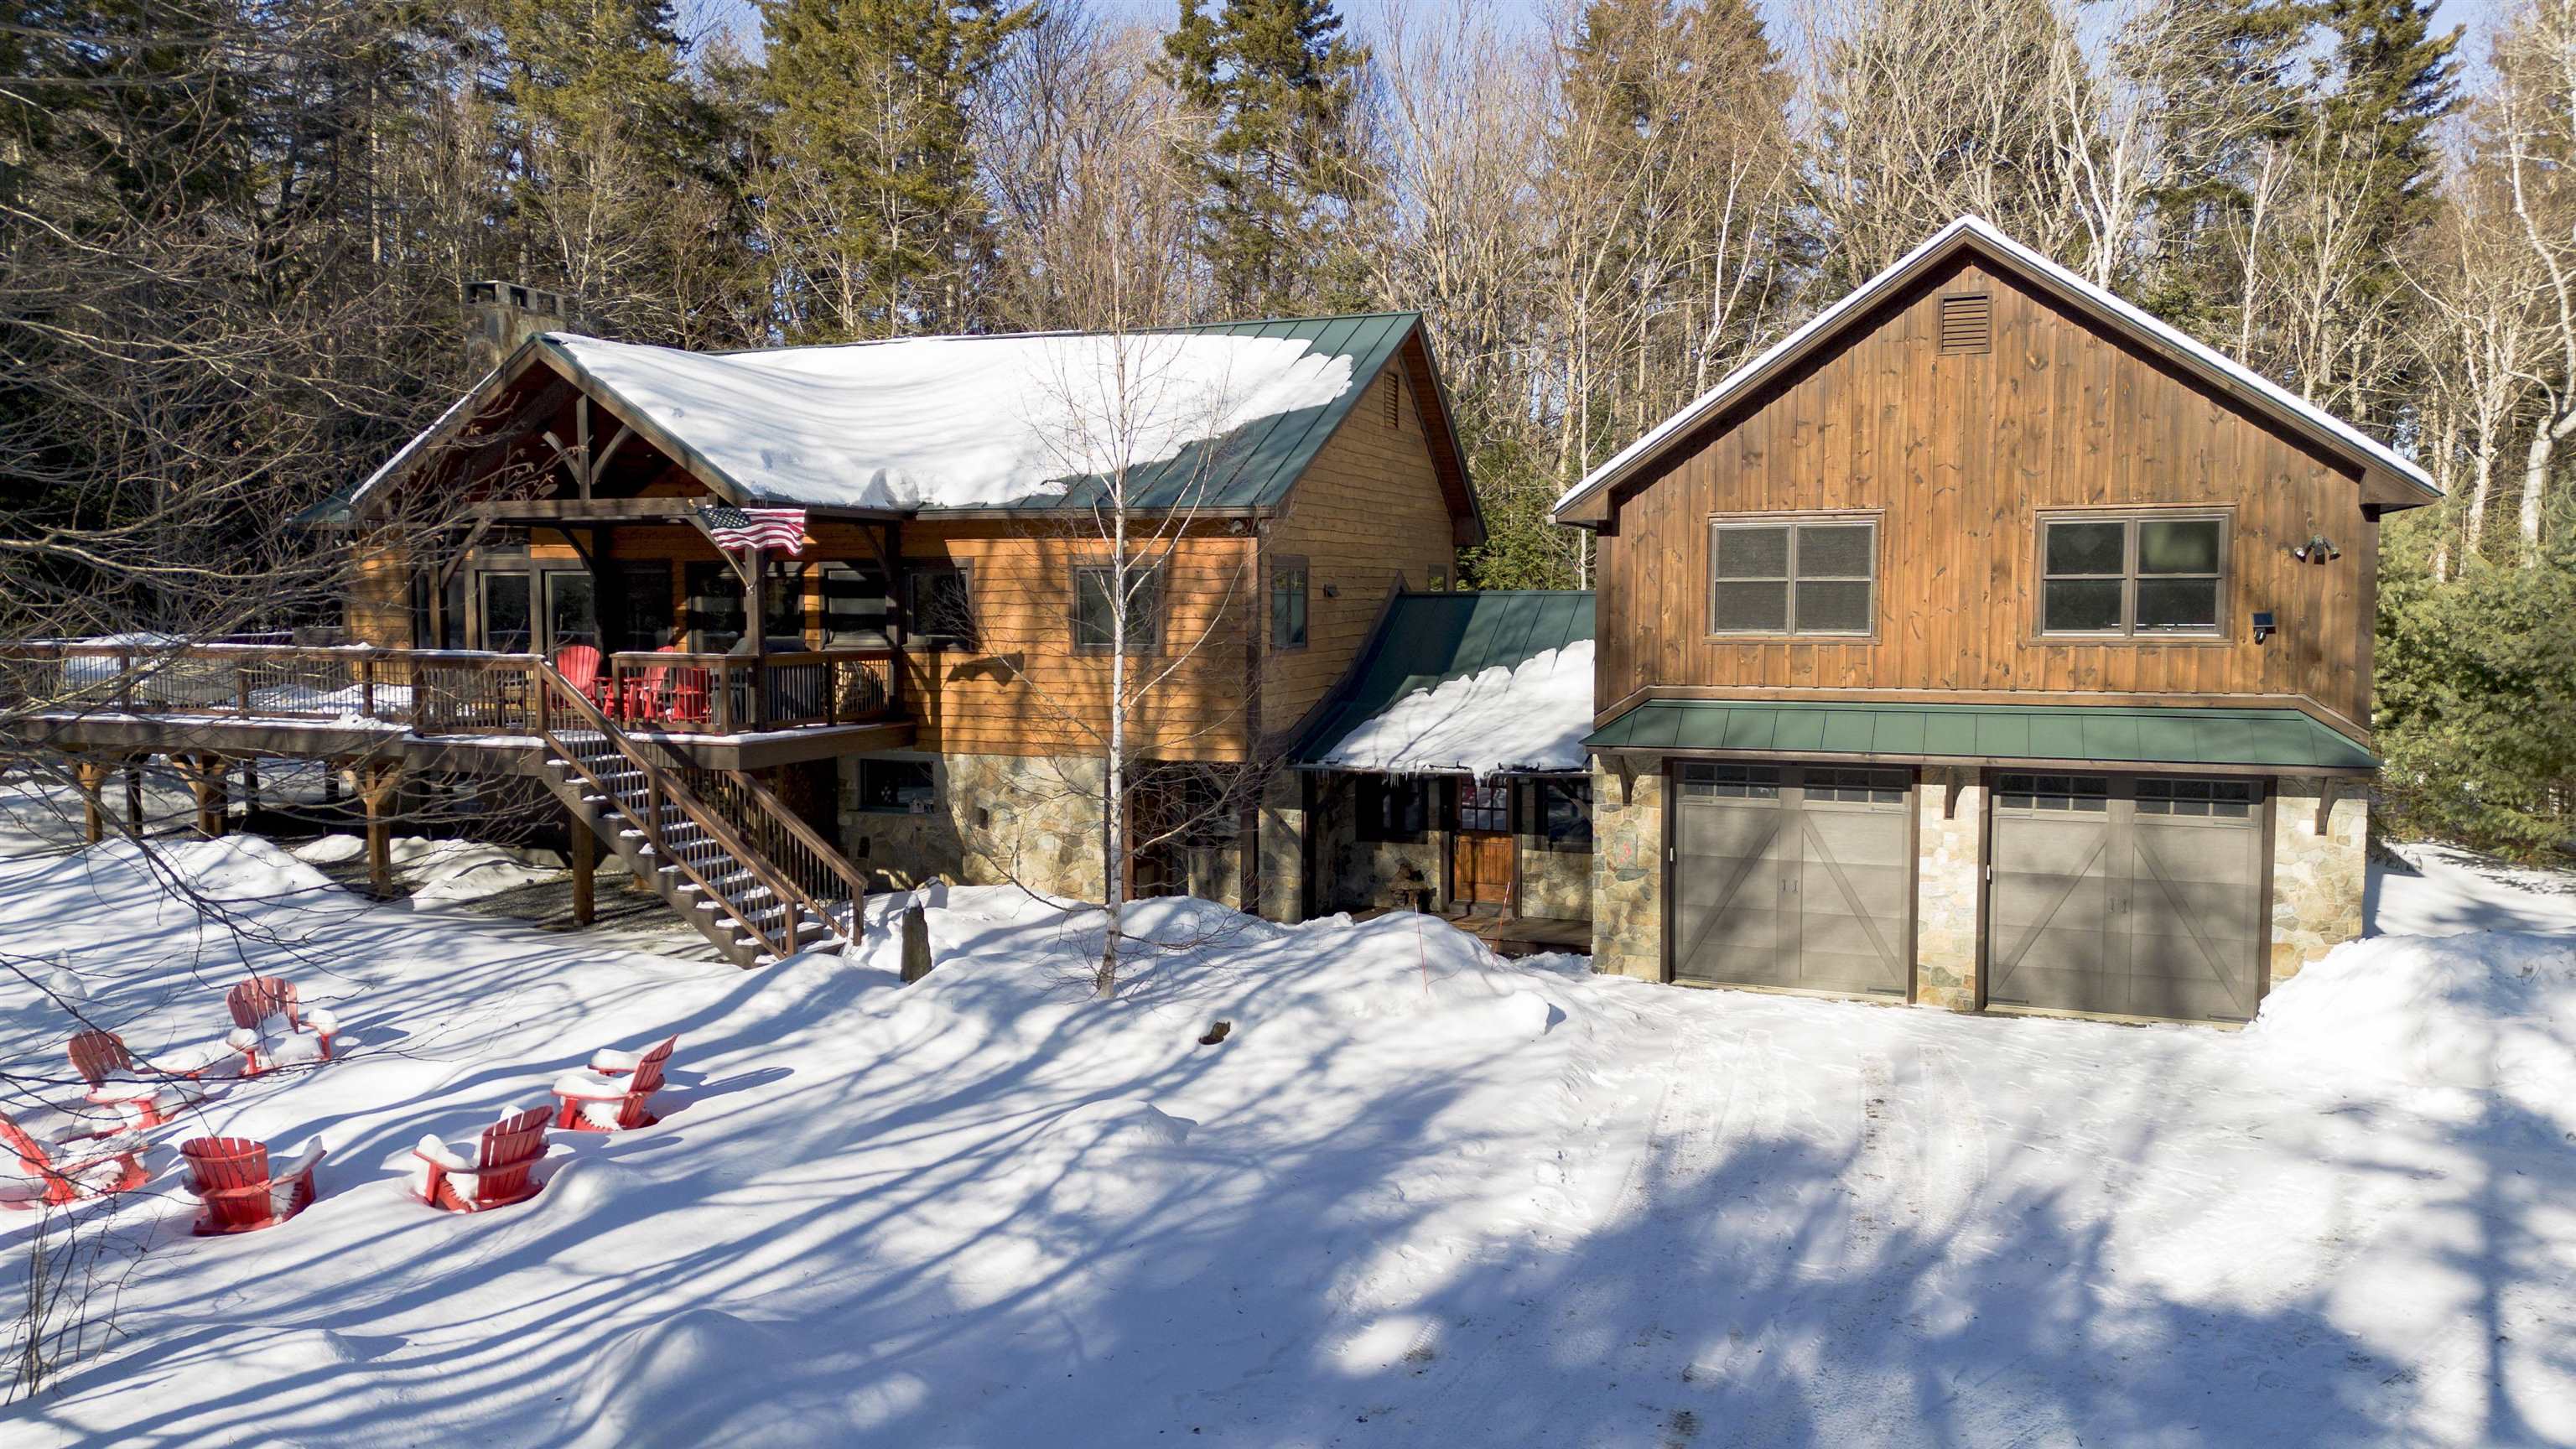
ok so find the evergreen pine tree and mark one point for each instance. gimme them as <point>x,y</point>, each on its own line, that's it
<point>869,189</point>
<point>1276,83</point>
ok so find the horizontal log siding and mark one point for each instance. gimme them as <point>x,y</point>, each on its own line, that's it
<point>1367,514</point>
<point>1961,452</point>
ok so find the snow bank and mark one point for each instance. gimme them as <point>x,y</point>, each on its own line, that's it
<point>957,422</point>
<point>1531,717</point>
<point>2488,1012</point>
<point>1416,1193</point>
<point>444,872</point>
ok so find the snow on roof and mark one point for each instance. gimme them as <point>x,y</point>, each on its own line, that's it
<point>1707,403</point>
<point>952,422</point>
<point>1532,716</point>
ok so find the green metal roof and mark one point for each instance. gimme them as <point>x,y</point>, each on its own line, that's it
<point>1425,640</point>
<point>2102,734</point>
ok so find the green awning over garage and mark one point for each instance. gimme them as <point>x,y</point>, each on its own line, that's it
<point>2272,739</point>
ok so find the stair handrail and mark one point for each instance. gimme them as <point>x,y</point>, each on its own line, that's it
<point>806,835</point>
<point>554,689</point>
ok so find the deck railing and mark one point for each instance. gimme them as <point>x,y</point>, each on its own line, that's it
<point>447,691</point>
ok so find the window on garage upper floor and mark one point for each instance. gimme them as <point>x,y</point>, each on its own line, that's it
<point>1793,576</point>
<point>2132,576</point>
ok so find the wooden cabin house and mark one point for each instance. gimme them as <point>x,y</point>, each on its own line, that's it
<point>1987,644</point>
<point>914,687</point>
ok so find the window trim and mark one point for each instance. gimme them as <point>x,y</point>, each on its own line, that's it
<point>860,803</point>
<point>915,571</point>
<point>1283,564</point>
<point>861,569</point>
<point>1371,788</point>
<point>1153,642</point>
<point>2224,632</point>
<point>1792,634</point>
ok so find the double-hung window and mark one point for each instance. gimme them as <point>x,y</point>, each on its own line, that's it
<point>2132,575</point>
<point>1793,576</point>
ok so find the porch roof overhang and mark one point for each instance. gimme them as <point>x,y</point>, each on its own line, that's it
<point>2119,737</point>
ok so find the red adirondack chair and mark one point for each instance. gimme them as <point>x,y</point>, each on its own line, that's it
<point>139,1098</point>
<point>611,1096</point>
<point>687,702</point>
<point>579,665</point>
<point>97,1053</point>
<point>271,1030</point>
<point>231,1176</point>
<point>502,1172</point>
<point>72,1166</point>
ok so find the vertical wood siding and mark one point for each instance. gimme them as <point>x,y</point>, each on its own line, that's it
<point>1961,452</point>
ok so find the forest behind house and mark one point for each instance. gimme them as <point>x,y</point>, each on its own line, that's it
<point>236,232</point>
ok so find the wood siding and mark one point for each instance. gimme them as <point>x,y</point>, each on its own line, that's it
<point>1011,694</point>
<point>1368,514</point>
<point>1959,453</point>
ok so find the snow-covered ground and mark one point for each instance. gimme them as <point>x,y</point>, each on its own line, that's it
<point>1415,1197</point>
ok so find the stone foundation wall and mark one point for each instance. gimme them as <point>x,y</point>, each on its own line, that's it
<point>996,818</point>
<point>1628,875</point>
<point>1949,876</point>
<point>1280,848</point>
<point>1556,885</point>
<point>2317,879</point>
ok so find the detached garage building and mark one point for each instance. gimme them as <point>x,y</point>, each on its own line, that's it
<point>1991,645</point>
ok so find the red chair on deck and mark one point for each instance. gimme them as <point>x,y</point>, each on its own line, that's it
<point>502,1172</point>
<point>688,698</point>
<point>579,665</point>
<point>231,1176</point>
<point>611,1096</point>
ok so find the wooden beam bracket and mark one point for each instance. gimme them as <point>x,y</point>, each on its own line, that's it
<point>2326,803</point>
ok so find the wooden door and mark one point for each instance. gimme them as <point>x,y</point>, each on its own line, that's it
<point>1480,849</point>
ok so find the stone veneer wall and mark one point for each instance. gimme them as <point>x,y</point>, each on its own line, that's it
<point>2317,879</point>
<point>1949,873</point>
<point>1280,846</point>
<point>1628,875</point>
<point>997,818</point>
<point>1556,885</point>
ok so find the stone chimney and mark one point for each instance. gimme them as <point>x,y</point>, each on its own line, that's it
<point>501,315</point>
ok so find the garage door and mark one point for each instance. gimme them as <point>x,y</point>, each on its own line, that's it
<point>1793,876</point>
<point>2130,897</point>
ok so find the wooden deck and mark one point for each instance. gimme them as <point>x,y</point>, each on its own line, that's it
<point>1510,935</point>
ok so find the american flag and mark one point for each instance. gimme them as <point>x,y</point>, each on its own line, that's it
<point>764,528</point>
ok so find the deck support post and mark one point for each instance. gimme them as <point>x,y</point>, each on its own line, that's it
<point>376,783</point>
<point>134,794</point>
<point>205,777</point>
<point>91,776</point>
<point>250,786</point>
<point>584,849</point>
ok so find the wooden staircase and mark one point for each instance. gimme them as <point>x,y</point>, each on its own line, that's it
<point>718,845</point>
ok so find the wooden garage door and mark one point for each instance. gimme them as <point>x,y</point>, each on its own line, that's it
<point>1793,876</point>
<point>2129,897</point>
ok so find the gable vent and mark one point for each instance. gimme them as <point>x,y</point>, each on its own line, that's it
<point>1968,323</point>
<point>1391,395</point>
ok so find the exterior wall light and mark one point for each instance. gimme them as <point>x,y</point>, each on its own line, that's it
<point>2316,550</point>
